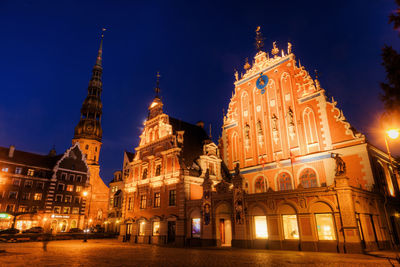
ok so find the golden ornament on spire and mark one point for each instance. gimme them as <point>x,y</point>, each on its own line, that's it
<point>275,50</point>
<point>247,65</point>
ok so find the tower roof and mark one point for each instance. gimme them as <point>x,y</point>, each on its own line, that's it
<point>89,125</point>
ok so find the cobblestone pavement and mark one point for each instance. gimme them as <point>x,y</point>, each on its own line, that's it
<point>113,253</point>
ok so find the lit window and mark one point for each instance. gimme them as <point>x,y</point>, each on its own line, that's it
<point>4,169</point>
<point>196,226</point>
<point>172,197</point>
<point>22,209</point>
<point>325,226</point>
<point>156,228</point>
<point>130,204</point>
<point>142,226</point>
<point>31,172</point>
<point>57,210</point>
<point>157,200</point>
<point>261,227</point>
<point>37,196</point>
<point>143,201</point>
<point>66,210</point>
<point>18,170</point>
<point>75,210</point>
<point>290,227</point>
<point>70,188</point>
<point>78,188</point>
<point>67,199</point>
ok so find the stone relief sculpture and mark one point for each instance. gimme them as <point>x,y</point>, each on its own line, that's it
<point>340,165</point>
<point>275,134</point>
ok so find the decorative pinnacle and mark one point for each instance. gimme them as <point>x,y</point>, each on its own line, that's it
<point>259,40</point>
<point>100,53</point>
<point>157,89</point>
<point>247,65</point>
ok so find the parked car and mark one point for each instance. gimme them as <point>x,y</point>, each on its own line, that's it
<point>34,230</point>
<point>9,231</point>
<point>75,230</point>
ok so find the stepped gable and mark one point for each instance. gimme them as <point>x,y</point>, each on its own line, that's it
<point>28,158</point>
<point>193,139</point>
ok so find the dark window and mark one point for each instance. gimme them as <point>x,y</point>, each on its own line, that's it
<point>285,181</point>
<point>68,199</point>
<point>16,182</point>
<point>12,195</point>
<point>79,178</point>
<point>130,204</point>
<point>144,176</point>
<point>158,170</point>
<point>63,176</point>
<point>60,187</point>
<point>58,198</point>
<point>39,185</point>
<point>25,196</point>
<point>28,183</point>
<point>172,197</point>
<point>157,200</point>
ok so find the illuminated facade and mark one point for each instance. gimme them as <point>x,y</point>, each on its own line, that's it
<point>167,170</point>
<point>42,190</point>
<point>300,177</point>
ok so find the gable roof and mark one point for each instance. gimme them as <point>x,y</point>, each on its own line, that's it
<point>193,139</point>
<point>28,158</point>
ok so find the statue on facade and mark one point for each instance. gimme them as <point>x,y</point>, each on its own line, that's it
<point>340,165</point>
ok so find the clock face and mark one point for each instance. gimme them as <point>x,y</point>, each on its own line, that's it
<point>262,82</point>
<point>89,127</point>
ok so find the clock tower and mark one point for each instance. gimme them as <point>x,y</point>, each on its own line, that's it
<point>88,134</point>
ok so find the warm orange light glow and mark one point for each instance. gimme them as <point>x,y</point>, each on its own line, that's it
<point>393,133</point>
<point>44,219</point>
<point>85,193</point>
<point>90,220</point>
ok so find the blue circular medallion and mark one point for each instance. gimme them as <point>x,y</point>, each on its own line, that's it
<point>261,82</point>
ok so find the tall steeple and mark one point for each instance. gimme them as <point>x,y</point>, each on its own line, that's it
<point>89,126</point>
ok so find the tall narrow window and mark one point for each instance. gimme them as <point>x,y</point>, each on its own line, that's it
<point>156,228</point>
<point>309,126</point>
<point>325,226</point>
<point>260,224</point>
<point>144,176</point>
<point>290,226</point>
<point>158,170</point>
<point>284,181</point>
<point>235,150</point>
<point>157,200</point>
<point>259,185</point>
<point>143,201</point>
<point>308,178</point>
<point>142,226</point>
<point>172,197</point>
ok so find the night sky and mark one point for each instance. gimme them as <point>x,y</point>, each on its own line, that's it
<point>48,49</point>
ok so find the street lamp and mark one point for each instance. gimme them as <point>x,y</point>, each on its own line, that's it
<point>85,194</point>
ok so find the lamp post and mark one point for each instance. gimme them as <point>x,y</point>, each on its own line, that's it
<point>85,193</point>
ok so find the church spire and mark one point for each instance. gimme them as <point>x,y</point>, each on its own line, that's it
<point>157,89</point>
<point>156,106</point>
<point>89,126</point>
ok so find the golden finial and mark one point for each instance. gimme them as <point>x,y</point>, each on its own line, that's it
<point>275,50</point>
<point>289,48</point>
<point>317,84</point>
<point>247,65</point>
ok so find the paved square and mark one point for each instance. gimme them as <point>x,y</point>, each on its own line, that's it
<point>110,252</point>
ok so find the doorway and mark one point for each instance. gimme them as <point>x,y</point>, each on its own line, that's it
<point>225,230</point>
<point>171,231</point>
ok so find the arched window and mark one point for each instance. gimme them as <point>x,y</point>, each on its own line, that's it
<point>284,181</point>
<point>308,178</point>
<point>87,147</point>
<point>259,185</point>
<point>309,126</point>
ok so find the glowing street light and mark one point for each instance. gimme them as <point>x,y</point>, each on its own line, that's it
<point>85,193</point>
<point>393,133</point>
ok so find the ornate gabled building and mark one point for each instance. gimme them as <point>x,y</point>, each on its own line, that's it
<point>167,170</point>
<point>88,133</point>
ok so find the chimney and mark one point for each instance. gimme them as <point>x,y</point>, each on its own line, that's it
<point>200,124</point>
<point>11,151</point>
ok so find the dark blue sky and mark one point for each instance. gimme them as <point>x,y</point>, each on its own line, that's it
<point>48,49</point>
